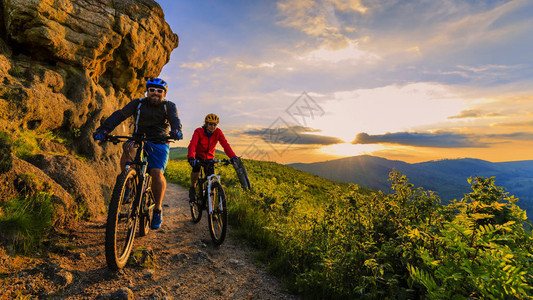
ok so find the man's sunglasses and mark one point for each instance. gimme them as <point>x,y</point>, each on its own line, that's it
<point>156,90</point>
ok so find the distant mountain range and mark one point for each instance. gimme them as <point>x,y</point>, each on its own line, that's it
<point>448,178</point>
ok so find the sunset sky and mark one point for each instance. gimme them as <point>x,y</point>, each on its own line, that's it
<point>314,80</point>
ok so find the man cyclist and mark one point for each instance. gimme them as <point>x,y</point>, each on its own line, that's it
<point>202,147</point>
<point>153,115</point>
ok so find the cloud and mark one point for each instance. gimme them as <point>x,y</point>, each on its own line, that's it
<point>475,113</point>
<point>242,65</point>
<point>195,65</point>
<point>350,53</point>
<point>471,39</point>
<point>470,113</point>
<point>488,68</point>
<point>487,73</point>
<point>515,136</point>
<point>292,135</point>
<point>514,124</point>
<point>434,140</point>
<point>484,30</point>
<point>318,18</point>
<point>350,5</point>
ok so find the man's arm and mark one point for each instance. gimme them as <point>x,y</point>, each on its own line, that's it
<point>120,115</point>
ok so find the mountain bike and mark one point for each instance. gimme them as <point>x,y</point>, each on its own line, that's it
<point>132,203</point>
<point>210,195</point>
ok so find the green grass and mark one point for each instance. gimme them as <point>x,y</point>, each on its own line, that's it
<point>26,142</point>
<point>25,222</point>
<point>180,153</point>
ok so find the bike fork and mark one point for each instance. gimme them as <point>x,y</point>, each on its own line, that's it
<point>138,199</point>
<point>210,180</point>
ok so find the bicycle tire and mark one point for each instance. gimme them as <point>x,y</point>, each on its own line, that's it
<point>218,219</point>
<point>247,184</point>
<point>196,204</point>
<point>242,174</point>
<point>121,221</point>
<point>145,216</point>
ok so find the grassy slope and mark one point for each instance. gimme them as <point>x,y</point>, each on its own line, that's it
<point>278,209</point>
<point>180,153</point>
<point>335,240</point>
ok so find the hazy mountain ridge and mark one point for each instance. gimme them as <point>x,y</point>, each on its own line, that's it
<point>448,178</point>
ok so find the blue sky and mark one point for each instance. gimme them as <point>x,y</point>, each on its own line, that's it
<point>312,80</point>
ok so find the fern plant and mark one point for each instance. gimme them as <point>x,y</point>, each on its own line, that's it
<point>483,252</point>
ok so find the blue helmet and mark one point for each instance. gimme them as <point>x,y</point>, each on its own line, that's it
<point>157,82</point>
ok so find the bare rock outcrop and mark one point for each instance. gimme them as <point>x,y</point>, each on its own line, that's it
<point>67,64</point>
<point>76,178</point>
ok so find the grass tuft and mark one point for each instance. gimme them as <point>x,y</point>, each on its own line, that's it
<point>25,222</point>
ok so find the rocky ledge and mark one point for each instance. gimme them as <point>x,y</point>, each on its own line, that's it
<point>64,66</point>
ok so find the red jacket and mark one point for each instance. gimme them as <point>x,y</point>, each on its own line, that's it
<point>203,147</point>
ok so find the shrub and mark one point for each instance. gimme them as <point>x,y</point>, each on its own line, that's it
<point>25,222</point>
<point>483,252</point>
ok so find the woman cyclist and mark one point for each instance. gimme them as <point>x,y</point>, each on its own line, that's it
<point>202,147</point>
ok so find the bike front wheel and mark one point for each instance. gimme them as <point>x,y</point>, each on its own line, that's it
<point>218,218</point>
<point>121,220</point>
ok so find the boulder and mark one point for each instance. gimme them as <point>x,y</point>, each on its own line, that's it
<point>25,179</point>
<point>65,65</point>
<point>76,177</point>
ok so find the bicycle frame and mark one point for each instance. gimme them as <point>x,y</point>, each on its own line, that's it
<point>210,180</point>
<point>140,160</point>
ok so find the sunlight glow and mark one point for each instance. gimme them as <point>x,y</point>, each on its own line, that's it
<point>386,109</point>
<point>348,149</point>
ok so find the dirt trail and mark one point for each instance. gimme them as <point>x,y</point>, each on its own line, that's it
<point>185,265</point>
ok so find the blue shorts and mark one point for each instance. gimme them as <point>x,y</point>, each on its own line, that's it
<point>157,155</point>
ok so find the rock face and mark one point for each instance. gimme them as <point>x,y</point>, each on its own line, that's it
<point>25,178</point>
<point>67,64</point>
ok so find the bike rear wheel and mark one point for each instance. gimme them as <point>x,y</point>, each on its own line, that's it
<point>121,220</point>
<point>218,219</point>
<point>196,204</point>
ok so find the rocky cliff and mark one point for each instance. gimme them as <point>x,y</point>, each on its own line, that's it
<point>64,66</point>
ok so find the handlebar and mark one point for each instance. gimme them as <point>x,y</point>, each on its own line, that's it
<point>213,161</point>
<point>115,139</point>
